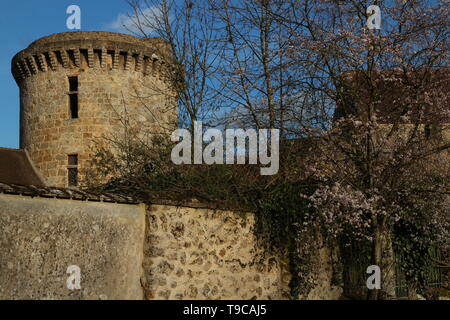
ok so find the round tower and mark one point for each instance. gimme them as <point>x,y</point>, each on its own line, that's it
<point>77,88</point>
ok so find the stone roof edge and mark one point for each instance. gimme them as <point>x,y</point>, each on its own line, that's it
<point>64,193</point>
<point>36,171</point>
<point>78,195</point>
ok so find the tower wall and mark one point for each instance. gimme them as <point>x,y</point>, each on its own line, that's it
<point>119,79</point>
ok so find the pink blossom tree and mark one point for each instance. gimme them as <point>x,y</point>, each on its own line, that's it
<point>384,152</point>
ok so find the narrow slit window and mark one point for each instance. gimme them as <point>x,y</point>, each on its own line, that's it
<point>73,84</point>
<point>73,160</point>
<point>72,170</point>
<point>73,97</point>
<point>73,100</point>
<point>73,177</point>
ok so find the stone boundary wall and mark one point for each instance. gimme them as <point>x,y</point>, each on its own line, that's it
<point>198,253</point>
<point>40,238</point>
<point>146,251</point>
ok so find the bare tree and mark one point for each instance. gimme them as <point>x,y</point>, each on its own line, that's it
<point>254,71</point>
<point>189,28</point>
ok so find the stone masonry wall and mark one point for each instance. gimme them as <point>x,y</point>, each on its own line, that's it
<point>128,251</point>
<point>40,238</point>
<point>192,253</point>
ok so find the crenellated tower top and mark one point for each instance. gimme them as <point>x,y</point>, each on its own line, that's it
<point>93,49</point>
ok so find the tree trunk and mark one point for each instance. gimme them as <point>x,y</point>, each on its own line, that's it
<point>388,275</point>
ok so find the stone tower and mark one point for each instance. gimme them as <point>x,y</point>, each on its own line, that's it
<point>80,88</point>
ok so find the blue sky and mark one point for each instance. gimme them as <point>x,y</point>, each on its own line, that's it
<point>22,22</point>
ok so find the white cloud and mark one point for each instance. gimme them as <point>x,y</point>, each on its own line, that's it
<point>128,23</point>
